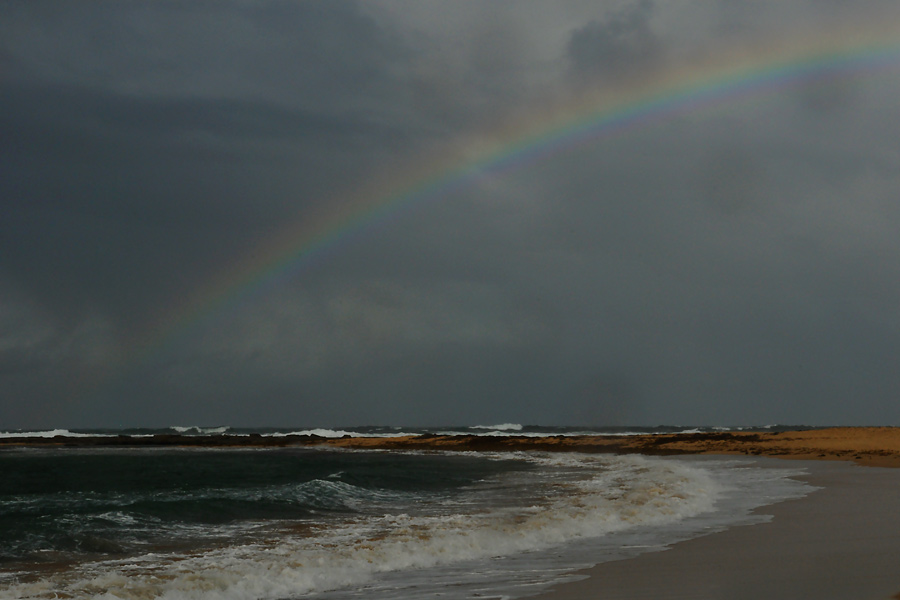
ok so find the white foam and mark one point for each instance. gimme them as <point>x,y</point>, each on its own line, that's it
<point>335,433</point>
<point>501,427</point>
<point>572,497</point>
<point>49,434</point>
<point>200,430</point>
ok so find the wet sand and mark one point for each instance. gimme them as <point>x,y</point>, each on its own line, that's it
<point>841,542</point>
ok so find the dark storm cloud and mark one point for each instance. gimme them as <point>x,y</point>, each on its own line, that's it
<point>147,145</point>
<point>447,336</point>
<point>233,48</point>
<point>139,128</point>
<point>737,265</point>
<point>149,177</point>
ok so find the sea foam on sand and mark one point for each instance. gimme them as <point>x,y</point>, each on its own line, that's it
<point>841,542</point>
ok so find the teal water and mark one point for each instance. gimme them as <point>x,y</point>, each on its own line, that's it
<point>68,504</point>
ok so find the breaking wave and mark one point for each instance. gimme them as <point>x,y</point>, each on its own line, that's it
<point>47,434</point>
<point>200,430</point>
<point>560,500</point>
<point>500,427</point>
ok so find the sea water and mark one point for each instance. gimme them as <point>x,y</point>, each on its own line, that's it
<point>306,522</point>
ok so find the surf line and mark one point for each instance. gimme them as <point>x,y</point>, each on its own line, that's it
<point>592,118</point>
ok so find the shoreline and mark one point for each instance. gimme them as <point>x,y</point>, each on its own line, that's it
<point>870,446</point>
<point>840,542</point>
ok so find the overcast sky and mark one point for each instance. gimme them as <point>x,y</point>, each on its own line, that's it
<point>738,264</point>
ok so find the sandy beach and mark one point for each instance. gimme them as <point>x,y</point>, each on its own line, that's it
<point>842,542</point>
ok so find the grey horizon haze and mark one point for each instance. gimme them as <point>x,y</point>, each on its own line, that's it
<point>733,265</point>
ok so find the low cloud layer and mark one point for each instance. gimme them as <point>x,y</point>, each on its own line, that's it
<point>735,264</point>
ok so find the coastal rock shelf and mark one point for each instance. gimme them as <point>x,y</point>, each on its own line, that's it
<point>875,446</point>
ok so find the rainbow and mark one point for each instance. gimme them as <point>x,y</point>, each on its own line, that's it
<point>731,81</point>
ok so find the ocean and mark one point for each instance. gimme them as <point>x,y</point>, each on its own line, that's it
<point>307,522</point>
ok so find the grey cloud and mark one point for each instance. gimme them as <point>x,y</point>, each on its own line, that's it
<point>738,16</point>
<point>731,178</point>
<point>296,334</point>
<point>170,183</point>
<point>311,54</point>
<point>828,97</point>
<point>621,46</point>
<point>383,339</point>
<point>24,336</point>
<point>33,339</point>
<point>736,264</point>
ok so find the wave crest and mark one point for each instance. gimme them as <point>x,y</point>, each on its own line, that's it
<point>200,430</point>
<point>500,427</point>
